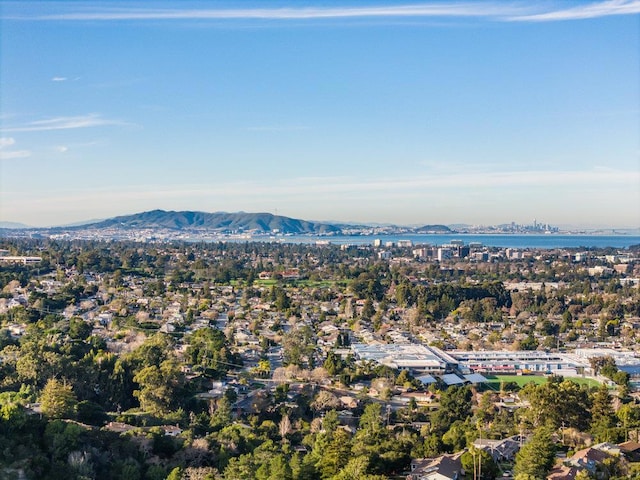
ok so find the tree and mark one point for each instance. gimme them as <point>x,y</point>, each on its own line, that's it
<point>263,369</point>
<point>479,461</point>
<point>335,455</point>
<point>279,469</point>
<point>81,465</point>
<point>456,436</point>
<point>367,310</point>
<point>331,421</point>
<point>404,378</point>
<point>356,469</point>
<point>239,468</point>
<point>298,345</point>
<point>280,298</point>
<point>629,416</point>
<point>333,364</point>
<point>455,404</point>
<point>61,438</point>
<point>284,428</point>
<point>371,419</point>
<point>153,351</point>
<point>91,413</point>
<point>208,350</point>
<point>597,363</point>
<point>529,343</point>
<point>222,416</point>
<point>536,457</point>
<point>556,402</point>
<point>603,418</point>
<point>58,400</point>
<point>160,387</point>
<point>79,329</point>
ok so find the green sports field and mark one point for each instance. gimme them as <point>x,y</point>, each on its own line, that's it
<point>521,380</point>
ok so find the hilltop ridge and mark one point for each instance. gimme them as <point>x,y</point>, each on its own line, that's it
<point>219,221</point>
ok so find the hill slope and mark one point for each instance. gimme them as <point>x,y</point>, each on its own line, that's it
<point>223,221</point>
<point>434,229</point>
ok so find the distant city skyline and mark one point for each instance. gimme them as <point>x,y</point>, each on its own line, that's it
<point>422,113</point>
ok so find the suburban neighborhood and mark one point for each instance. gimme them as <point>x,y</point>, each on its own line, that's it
<point>452,359</point>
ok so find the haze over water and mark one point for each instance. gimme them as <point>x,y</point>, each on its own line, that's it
<point>506,241</point>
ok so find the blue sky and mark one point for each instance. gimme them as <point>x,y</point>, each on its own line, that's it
<point>476,112</point>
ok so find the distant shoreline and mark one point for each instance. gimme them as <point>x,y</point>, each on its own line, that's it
<point>387,239</point>
<point>498,240</point>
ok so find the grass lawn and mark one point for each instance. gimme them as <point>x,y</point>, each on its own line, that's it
<point>521,380</point>
<point>266,283</point>
<point>299,283</point>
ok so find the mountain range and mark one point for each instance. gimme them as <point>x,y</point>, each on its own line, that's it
<point>13,225</point>
<point>219,221</point>
<point>224,222</point>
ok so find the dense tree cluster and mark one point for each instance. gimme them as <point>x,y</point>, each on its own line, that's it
<point>96,349</point>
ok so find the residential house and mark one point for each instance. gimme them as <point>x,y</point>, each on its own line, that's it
<point>444,467</point>
<point>501,450</point>
<point>588,459</point>
<point>631,450</point>
<point>171,430</point>
<point>563,472</point>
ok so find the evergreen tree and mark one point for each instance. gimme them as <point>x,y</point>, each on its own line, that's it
<point>536,457</point>
<point>455,404</point>
<point>603,417</point>
<point>58,400</point>
<point>336,454</point>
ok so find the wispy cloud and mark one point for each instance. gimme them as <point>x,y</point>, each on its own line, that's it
<point>500,11</point>
<point>453,9</point>
<point>11,154</point>
<point>592,10</point>
<point>277,128</point>
<point>397,187</point>
<point>64,123</point>
<point>443,180</point>
<point>6,142</point>
<point>470,195</point>
<point>64,79</point>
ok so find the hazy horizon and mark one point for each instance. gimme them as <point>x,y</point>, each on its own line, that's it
<point>422,113</point>
<point>565,226</point>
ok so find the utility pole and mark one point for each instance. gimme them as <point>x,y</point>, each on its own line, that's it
<point>473,455</point>
<point>480,453</point>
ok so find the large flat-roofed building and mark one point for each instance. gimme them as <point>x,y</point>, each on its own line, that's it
<point>626,360</point>
<point>422,359</point>
<point>408,356</point>
<point>523,360</point>
<point>19,259</point>
<point>621,357</point>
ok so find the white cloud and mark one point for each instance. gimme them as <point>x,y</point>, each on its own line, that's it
<point>512,11</point>
<point>278,128</point>
<point>64,123</point>
<point>11,155</point>
<point>593,10</point>
<point>59,79</point>
<point>6,141</point>
<point>453,9</point>
<point>62,149</point>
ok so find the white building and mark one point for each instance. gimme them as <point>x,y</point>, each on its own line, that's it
<point>535,361</point>
<point>444,254</point>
